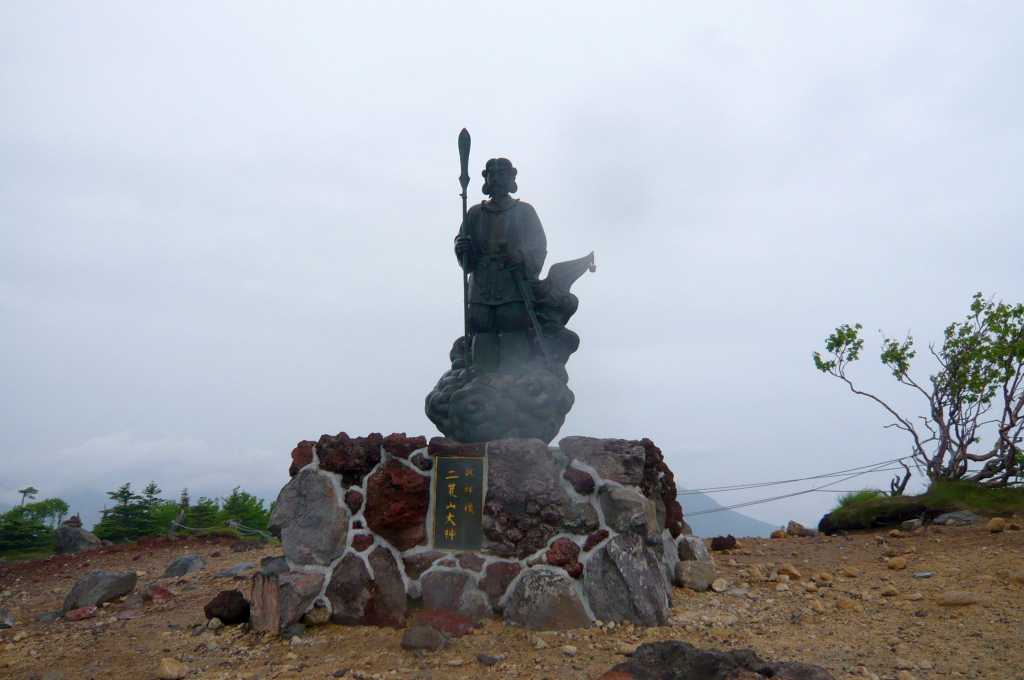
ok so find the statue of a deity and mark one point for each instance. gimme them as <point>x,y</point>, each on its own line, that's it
<point>508,375</point>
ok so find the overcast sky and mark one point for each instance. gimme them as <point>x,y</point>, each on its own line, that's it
<point>225,228</point>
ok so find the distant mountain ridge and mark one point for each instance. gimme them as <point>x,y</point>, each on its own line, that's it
<point>720,523</point>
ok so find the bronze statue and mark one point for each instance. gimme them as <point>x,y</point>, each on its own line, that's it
<point>512,381</point>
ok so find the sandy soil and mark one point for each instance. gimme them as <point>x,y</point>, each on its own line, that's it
<point>848,624</point>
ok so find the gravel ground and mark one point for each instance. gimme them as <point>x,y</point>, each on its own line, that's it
<point>842,607</point>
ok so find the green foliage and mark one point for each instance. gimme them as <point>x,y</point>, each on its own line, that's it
<point>204,513</point>
<point>50,511</point>
<point>246,509</point>
<point>844,345</point>
<point>27,492</point>
<point>856,497</point>
<point>20,531</point>
<point>981,368</point>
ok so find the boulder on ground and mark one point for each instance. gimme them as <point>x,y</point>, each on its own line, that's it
<point>544,599</point>
<point>799,530</point>
<point>676,659</point>
<point>280,600</point>
<point>237,570</point>
<point>99,586</point>
<point>70,539</point>
<point>230,606</point>
<point>6,619</point>
<point>624,580</point>
<point>694,575</point>
<point>423,637</point>
<point>692,548</point>
<point>184,565</point>
<point>960,518</point>
<point>309,520</point>
<point>723,542</point>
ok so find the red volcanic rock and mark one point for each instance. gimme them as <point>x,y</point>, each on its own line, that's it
<point>580,480</point>
<point>354,500</point>
<point>471,560</point>
<point>400,446</point>
<point>723,542</point>
<point>659,481</point>
<point>81,613</point>
<point>595,538</point>
<point>156,594</point>
<point>562,552</point>
<point>351,458</point>
<point>415,565</point>
<point>442,446</point>
<point>361,542</point>
<point>230,606</point>
<point>302,455</point>
<point>444,621</point>
<point>397,499</point>
<point>499,576</point>
<point>575,569</point>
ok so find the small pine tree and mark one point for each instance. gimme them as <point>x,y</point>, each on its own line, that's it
<point>203,514</point>
<point>127,520</point>
<point>246,509</point>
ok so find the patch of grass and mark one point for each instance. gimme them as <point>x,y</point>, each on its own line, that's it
<point>871,508</point>
<point>857,497</point>
<point>974,497</point>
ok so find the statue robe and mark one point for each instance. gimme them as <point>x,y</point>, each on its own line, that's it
<point>496,231</point>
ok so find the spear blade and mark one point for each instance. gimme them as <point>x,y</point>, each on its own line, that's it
<point>464,142</point>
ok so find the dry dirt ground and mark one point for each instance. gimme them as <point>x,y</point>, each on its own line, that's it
<point>848,624</point>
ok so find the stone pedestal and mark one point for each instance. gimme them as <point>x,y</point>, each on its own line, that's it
<point>587,530</point>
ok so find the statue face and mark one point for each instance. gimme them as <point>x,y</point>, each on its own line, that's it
<point>499,179</point>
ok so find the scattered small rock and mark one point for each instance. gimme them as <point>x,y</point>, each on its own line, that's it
<point>961,598</point>
<point>487,659</point>
<point>898,563</point>
<point>6,619</point>
<point>423,637</point>
<point>237,570</point>
<point>81,613</point>
<point>184,565</point>
<point>996,525</point>
<point>924,574</point>
<point>215,624</point>
<point>172,669</point>
<point>569,650</point>
<point>719,585</point>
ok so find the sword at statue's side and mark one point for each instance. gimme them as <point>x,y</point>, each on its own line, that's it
<point>464,181</point>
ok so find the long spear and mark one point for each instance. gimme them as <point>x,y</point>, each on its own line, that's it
<point>464,181</point>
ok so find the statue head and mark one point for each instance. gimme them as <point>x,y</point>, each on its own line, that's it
<point>499,177</point>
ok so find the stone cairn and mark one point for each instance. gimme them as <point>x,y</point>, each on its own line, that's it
<point>588,530</point>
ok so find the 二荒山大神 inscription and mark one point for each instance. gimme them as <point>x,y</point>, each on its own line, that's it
<point>458,503</point>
